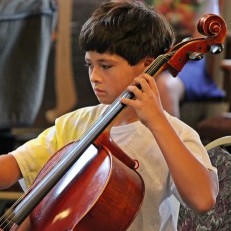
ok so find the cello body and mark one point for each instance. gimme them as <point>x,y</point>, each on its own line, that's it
<point>98,193</point>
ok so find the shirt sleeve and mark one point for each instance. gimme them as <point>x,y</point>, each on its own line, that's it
<point>32,156</point>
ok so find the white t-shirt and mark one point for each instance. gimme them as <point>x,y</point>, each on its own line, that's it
<point>159,210</point>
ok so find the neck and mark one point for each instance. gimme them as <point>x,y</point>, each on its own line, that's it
<point>128,115</point>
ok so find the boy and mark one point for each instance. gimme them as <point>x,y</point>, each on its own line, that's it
<point>120,39</point>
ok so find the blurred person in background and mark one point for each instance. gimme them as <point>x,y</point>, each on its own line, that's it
<point>195,81</point>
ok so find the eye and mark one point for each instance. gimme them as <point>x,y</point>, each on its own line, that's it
<point>88,65</point>
<point>106,66</point>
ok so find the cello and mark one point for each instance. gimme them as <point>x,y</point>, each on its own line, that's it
<point>91,184</point>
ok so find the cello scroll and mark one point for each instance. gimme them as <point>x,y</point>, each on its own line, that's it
<point>210,25</point>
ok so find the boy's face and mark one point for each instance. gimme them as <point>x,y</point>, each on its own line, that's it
<point>110,74</point>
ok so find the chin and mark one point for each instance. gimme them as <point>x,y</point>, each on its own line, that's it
<point>106,102</point>
<point>103,102</point>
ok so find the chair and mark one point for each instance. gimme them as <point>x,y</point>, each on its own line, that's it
<point>218,219</point>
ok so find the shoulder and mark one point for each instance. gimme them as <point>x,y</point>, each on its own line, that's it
<point>86,113</point>
<point>72,125</point>
<point>181,128</point>
<point>192,141</point>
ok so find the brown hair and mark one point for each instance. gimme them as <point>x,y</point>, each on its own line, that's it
<point>127,28</point>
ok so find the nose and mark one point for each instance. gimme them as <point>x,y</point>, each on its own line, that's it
<point>95,75</point>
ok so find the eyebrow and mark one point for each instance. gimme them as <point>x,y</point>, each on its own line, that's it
<point>101,60</point>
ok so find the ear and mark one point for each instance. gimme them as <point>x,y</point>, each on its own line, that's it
<point>148,61</point>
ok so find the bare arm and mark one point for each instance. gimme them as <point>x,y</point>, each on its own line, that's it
<point>9,171</point>
<point>191,178</point>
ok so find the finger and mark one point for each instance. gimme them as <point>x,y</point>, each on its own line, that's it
<point>128,102</point>
<point>151,81</point>
<point>144,85</point>
<point>135,90</point>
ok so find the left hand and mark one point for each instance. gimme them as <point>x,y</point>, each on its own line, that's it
<point>146,102</point>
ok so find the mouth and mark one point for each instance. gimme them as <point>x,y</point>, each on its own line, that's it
<point>99,92</point>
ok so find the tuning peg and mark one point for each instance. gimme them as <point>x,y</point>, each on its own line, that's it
<point>216,49</point>
<point>195,56</point>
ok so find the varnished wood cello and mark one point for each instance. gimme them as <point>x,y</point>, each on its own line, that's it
<point>91,184</point>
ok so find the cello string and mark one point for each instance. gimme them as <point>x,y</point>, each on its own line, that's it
<point>9,212</point>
